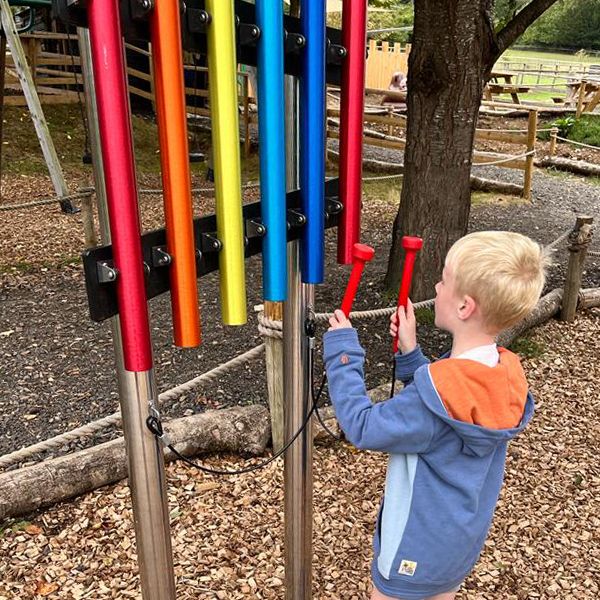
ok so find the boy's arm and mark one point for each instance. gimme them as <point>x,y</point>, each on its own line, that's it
<point>400,425</point>
<point>407,364</point>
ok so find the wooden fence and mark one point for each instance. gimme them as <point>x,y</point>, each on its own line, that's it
<point>56,70</point>
<point>383,61</point>
<point>522,161</point>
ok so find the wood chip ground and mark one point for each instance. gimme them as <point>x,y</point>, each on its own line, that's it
<point>228,533</point>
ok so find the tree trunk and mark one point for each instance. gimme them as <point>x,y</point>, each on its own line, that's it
<point>448,60</point>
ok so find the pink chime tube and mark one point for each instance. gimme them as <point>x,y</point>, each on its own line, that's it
<point>119,172</point>
<point>354,33</point>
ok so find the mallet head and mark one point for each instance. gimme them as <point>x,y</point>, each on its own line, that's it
<point>362,252</point>
<point>410,242</point>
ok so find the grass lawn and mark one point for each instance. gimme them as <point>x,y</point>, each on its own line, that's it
<point>569,64</point>
<point>539,56</point>
<point>21,153</point>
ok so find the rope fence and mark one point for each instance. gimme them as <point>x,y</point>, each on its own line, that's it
<point>562,139</point>
<point>266,327</point>
<point>82,193</point>
<point>505,160</point>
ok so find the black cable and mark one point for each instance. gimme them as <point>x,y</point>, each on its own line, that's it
<point>393,376</point>
<point>325,427</point>
<point>154,424</point>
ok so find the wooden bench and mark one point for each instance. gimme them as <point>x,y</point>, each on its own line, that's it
<point>508,88</point>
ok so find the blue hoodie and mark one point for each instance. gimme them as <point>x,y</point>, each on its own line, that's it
<point>446,433</point>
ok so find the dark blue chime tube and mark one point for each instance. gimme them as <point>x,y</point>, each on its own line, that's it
<point>271,124</point>
<point>312,150</point>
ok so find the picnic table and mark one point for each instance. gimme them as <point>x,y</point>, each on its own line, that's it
<point>501,82</point>
<point>587,91</point>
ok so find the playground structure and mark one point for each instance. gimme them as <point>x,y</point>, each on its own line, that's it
<point>122,276</point>
<point>99,264</point>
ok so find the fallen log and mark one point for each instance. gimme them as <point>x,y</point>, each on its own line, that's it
<point>589,298</point>
<point>479,184</point>
<point>579,167</point>
<point>242,430</point>
<point>547,307</point>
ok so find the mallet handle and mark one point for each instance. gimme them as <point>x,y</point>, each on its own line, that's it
<point>352,287</point>
<point>361,254</point>
<point>411,246</point>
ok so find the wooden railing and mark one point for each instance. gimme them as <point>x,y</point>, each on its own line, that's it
<point>58,80</point>
<point>395,122</point>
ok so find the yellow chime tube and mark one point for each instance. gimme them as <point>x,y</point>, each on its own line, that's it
<point>222,82</point>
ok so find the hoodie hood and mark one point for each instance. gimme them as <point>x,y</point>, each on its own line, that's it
<point>485,406</point>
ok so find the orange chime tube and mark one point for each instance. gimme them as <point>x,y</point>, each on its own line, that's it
<point>167,55</point>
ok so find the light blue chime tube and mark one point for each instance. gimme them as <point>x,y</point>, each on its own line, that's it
<point>271,126</point>
<point>312,150</point>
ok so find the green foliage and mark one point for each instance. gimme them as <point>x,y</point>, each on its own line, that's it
<point>397,14</point>
<point>586,129</point>
<point>567,24</point>
<point>13,525</point>
<point>564,125</point>
<point>425,316</point>
<point>527,348</point>
<point>505,10</point>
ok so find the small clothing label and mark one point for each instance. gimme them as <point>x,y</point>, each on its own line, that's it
<point>407,567</point>
<point>345,359</point>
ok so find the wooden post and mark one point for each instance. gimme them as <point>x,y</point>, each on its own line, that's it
<point>2,81</point>
<point>531,138</point>
<point>87,216</point>
<point>581,97</point>
<point>33,102</point>
<point>553,140</point>
<point>274,364</point>
<point>579,241</point>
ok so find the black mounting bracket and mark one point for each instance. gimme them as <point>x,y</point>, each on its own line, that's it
<point>101,275</point>
<point>196,20</point>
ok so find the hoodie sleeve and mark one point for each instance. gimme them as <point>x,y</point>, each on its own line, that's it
<point>402,424</point>
<point>407,364</point>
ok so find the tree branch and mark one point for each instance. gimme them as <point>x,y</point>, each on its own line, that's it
<point>517,26</point>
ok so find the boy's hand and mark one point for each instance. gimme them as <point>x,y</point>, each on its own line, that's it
<point>403,325</point>
<point>339,321</point>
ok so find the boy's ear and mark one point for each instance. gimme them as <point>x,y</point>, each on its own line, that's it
<point>466,307</point>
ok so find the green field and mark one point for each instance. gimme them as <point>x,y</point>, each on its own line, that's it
<point>568,66</point>
<point>538,55</point>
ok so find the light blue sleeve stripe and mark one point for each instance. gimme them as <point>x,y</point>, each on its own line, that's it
<point>396,508</point>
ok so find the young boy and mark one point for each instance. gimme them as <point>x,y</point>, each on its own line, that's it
<point>447,431</point>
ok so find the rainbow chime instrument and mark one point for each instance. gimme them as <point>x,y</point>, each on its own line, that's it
<point>185,252</point>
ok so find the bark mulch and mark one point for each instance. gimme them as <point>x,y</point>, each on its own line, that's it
<point>228,532</point>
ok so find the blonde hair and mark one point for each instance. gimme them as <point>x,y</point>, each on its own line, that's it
<point>503,272</point>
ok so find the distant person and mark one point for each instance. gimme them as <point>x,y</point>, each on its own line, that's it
<point>397,84</point>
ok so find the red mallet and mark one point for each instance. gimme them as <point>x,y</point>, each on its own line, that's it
<point>361,254</point>
<point>411,246</point>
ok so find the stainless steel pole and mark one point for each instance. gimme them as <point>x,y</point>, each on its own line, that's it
<point>298,476</point>
<point>138,395</point>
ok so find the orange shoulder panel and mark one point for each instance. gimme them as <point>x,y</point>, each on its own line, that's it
<point>492,397</point>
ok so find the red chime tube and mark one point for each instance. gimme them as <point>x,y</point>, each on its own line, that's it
<point>119,173</point>
<point>361,254</point>
<point>167,55</point>
<point>411,246</point>
<point>354,34</point>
